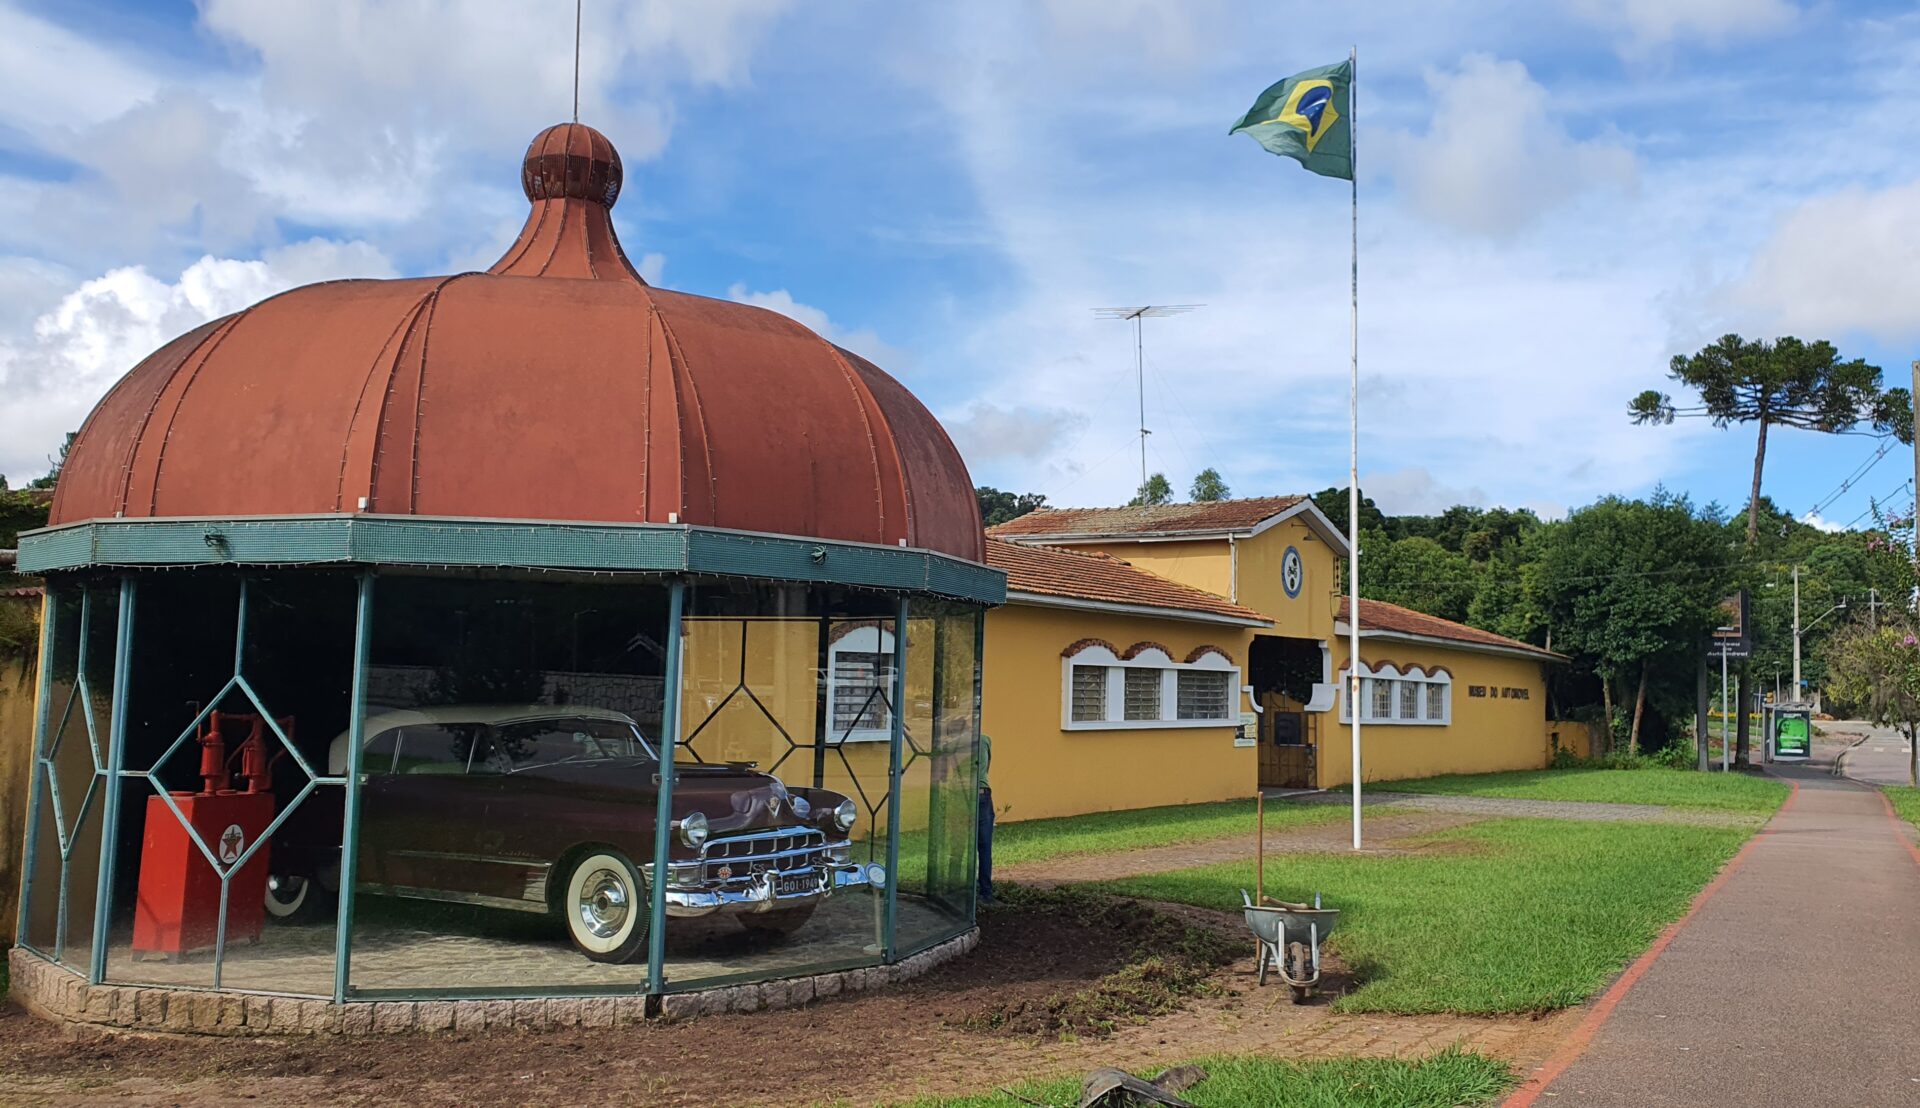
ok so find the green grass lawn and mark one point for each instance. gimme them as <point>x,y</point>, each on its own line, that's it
<point>1041,840</point>
<point>1446,1079</point>
<point>1674,788</point>
<point>1906,800</point>
<point>1502,916</point>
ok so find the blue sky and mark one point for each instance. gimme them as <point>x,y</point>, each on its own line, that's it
<point>1556,197</point>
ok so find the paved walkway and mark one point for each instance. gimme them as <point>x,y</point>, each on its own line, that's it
<point>1796,981</point>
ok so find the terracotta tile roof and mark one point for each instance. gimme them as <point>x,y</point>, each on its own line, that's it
<point>26,593</point>
<point>1052,571</point>
<point>1219,515</point>
<point>1378,615</point>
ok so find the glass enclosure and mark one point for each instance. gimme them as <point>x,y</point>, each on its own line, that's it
<point>497,783</point>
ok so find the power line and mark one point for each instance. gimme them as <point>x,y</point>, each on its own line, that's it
<point>1859,471</point>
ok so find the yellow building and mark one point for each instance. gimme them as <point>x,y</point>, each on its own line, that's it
<point>1190,652</point>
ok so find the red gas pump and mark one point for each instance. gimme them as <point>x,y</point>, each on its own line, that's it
<point>177,908</point>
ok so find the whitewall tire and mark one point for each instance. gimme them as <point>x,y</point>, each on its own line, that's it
<point>605,905</point>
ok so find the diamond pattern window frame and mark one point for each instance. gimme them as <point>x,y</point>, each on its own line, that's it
<point>45,780</point>
<point>150,775</point>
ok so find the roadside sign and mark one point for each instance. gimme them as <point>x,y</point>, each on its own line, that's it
<point>1791,732</point>
<point>1733,638</point>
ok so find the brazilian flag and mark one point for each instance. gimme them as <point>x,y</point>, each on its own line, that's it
<point>1307,117</point>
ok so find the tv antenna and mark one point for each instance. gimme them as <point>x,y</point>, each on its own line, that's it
<point>1138,314</point>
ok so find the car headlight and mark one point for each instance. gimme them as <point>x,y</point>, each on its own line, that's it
<point>801,809</point>
<point>846,814</point>
<point>693,829</point>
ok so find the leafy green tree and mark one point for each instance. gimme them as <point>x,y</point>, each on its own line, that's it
<point>1784,383</point>
<point>1630,585</point>
<point>1157,490</point>
<point>1332,503</point>
<point>53,475</point>
<point>1208,485</point>
<point>998,507</point>
<point>1877,671</point>
<point>1418,573</point>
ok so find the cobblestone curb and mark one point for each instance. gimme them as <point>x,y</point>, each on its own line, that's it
<point>55,993</point>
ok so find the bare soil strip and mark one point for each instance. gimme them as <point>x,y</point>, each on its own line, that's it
<point>868,1048</point>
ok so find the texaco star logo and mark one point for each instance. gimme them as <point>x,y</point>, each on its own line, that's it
<point>1292,572</point>
<point>232,841</point>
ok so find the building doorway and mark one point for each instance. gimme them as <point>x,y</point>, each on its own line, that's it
<point>1283,672</point>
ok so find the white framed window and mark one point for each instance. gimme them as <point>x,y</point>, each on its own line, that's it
<point>1203,694</point>
<point>1142,689</point>
<point>1088,694</point>
<point>1392,695</point>
<point>860,686</point>
<point>1146,688</point>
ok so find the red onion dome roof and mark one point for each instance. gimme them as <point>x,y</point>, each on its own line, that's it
<point>558,385</point>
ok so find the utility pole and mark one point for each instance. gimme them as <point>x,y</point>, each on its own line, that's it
<point>1873,606</point>
<point>1796,634</point>
<point>1137,315</point>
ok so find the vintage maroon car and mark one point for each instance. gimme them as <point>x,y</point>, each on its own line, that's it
<point>552,809</point>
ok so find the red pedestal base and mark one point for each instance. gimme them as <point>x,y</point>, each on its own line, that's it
<point>177,909</point>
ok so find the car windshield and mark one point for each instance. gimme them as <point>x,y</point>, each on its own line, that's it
<point>546,742</point>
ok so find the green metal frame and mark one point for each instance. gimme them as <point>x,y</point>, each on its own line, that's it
<point>663,810</point>
<point>116,755</point>
<point>45,781</point>
<point>427,541</point>
<point>895,763</point>
<point>303,542</point>
<point>350,817</point>
<point>36,793</point>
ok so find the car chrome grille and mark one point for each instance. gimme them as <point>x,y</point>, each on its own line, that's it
<point>781,851</point>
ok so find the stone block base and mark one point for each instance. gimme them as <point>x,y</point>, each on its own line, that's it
<point>56,993</point>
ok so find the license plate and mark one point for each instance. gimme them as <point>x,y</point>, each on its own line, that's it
<point>795,884</point>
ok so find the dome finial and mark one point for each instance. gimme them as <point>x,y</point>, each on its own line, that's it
<point>571,161</point>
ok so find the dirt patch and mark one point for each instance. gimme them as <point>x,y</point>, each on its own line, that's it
<point>1384,833</point>
<point>865,1048</point>
<point>1165,959</point>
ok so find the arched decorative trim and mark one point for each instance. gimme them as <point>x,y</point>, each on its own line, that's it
<point>1431,688</point>
<point>1087,644</point>
<point>842,630</point>
<point>1205,649</point>
<point>1140,648</point>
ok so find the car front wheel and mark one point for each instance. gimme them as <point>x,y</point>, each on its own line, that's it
<point>606,906</point>
<point>293,899</point>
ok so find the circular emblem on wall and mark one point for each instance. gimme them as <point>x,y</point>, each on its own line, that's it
<point>232,841</point>
<point>1292,573</point>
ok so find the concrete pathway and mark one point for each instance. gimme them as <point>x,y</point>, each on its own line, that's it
<point>1794,981</point>
<point>1874,755</point>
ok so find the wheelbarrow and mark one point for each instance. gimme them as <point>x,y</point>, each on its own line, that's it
<point>1289,938</point>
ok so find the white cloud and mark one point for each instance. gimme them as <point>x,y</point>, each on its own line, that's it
<point>651,267</point>
<point>988,433</point>
<point>1415,491</point>
<point>1819,522</point>
<point>1646,25</point>
<point>1845,262</point>
<point>1494,158</point>
<point>863,341</point>
<point>102,329</point>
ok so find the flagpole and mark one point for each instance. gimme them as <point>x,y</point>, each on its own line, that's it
<point>1353,454</point>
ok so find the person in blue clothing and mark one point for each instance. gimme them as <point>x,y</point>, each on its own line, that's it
<point>985,852</point>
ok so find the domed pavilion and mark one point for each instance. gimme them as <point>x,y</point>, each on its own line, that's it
<point>401,634</point>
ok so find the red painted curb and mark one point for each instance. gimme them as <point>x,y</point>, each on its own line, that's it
<point>1582,1036</point>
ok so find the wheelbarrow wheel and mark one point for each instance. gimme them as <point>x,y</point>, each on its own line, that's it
<point>1299,968</point>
